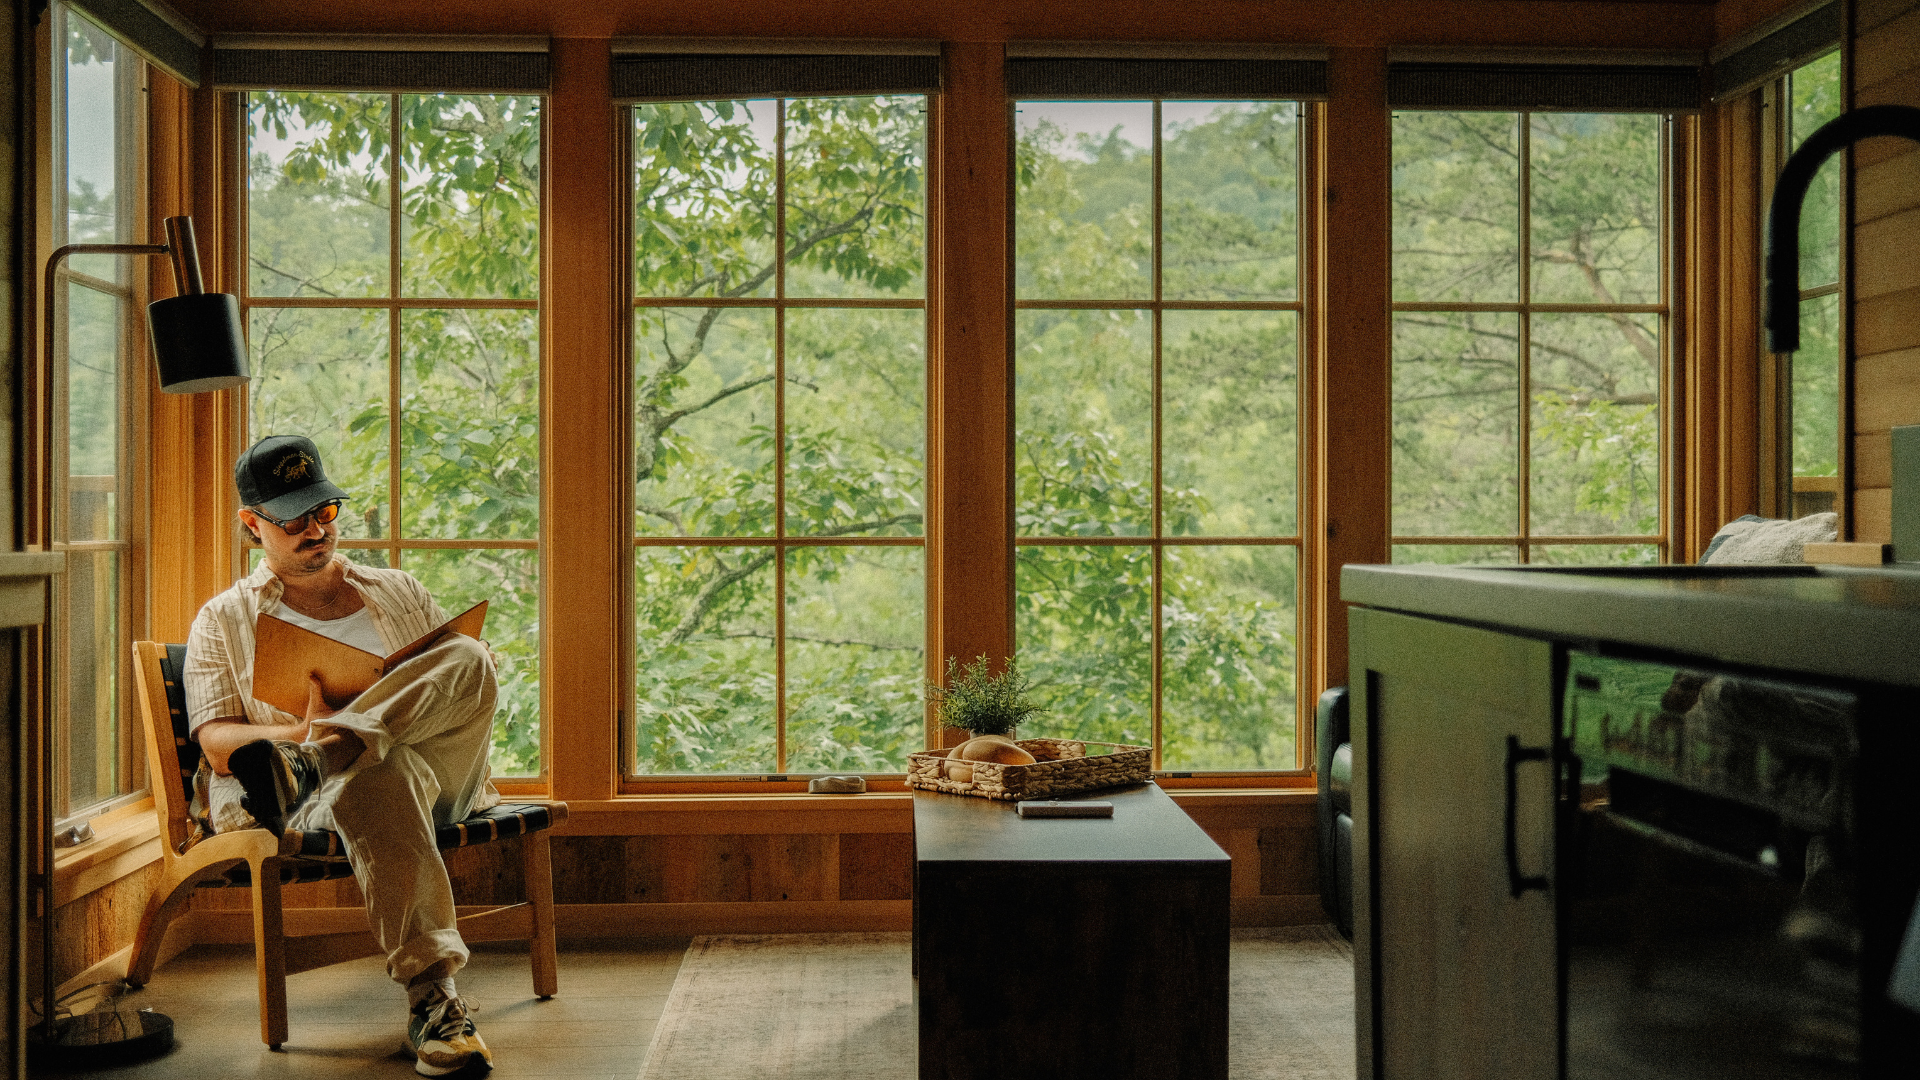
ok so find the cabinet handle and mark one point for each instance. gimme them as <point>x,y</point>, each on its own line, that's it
<point>1517,882</point>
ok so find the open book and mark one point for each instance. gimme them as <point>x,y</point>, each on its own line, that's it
<point>283,655</point>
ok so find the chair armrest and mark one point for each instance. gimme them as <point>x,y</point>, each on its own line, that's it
<point>1331,729</point>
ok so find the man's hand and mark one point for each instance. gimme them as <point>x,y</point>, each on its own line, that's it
<point>317,708</point>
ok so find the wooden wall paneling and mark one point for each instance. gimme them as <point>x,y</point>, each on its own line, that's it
<point>970,534</point>
<point>793,867</point>
<point>601,870</point>
<point>876,866</point>
<point>1289,860</point>
<point>1884,303</point>
<point>584,531</point>
<point>1873,510</point>
<point>1889,49</point>
<point>1355,345</point>
<point>1872,462</point>
<point>1885,323</point>
<point>95,926</point>
<point>1883,263</point>
<point>1885,187</point>
<point>1901,89</point>
<point>709,869</point>
<point>1868,14</point>
<point>488,873</point>
<point>1243,847</point>
<point>1895,399</point>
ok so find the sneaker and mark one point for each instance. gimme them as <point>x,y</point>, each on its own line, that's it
<point>277,777</point>
<point>440,1034</point>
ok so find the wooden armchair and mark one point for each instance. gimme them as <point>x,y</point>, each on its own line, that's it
<point>259,860</point>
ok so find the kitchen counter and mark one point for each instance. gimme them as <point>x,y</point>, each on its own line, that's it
<point>1854,624</point>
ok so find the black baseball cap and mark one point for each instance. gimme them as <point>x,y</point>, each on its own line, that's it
<point>282,475</point>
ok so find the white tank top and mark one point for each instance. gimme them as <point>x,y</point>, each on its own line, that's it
<point>356,629</point>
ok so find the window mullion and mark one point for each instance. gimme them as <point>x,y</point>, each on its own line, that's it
<point>394,331</point>
<point>1156,597</point>
<point>780,435</point>
<point>1525,352</point>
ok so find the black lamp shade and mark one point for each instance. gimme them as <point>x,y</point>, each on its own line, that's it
<point>197,343</point>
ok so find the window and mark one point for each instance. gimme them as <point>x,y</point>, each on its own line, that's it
<point>98,373</point>
<point>1529,330</point>
<point>779,435</point>
<point>1157,329</point>
<point>1812,94</point>
<point>401,334</point>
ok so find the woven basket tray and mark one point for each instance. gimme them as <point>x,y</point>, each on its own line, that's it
<point>1062,766</point>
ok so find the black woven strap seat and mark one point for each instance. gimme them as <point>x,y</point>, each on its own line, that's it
<point>320,856</point>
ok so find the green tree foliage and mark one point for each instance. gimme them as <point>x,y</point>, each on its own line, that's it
<point>321,172</point>
<point>708,688</point>
<point>1592,399</point>
<point>1815,92</point>
<point>1084,418</point>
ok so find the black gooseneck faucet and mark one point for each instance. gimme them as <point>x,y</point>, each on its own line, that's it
<point>1783,215</point>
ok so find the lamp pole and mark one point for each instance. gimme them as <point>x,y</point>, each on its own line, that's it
<point>198,332</point>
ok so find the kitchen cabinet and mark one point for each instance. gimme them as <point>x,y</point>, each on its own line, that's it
<point>1441,946</point>
<point>1474,847</point>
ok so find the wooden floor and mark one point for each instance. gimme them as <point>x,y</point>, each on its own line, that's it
<point>349,1020</point>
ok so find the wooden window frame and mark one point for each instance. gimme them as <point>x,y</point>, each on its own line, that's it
<point>132,77</point>
<point>393,302</point>
<point>779,303</point>
<point>1524,539</point>
<point>1305,309</point>
<point>586,537</point>
<point>1780,488</point>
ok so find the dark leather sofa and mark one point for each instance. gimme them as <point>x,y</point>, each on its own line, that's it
<point>1334,753</point>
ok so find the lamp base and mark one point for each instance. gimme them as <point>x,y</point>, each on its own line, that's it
<point>100,1039</point>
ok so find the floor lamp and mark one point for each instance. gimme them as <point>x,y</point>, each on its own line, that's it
<point>197,346</point>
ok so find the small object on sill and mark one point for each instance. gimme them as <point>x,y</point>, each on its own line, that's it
<point>1848,554</point>
<point>836,785</point>
<point>1054,808</point>
<point>73,837</point>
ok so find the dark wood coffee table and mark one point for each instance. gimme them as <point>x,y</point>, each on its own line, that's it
<point>1048,949</point>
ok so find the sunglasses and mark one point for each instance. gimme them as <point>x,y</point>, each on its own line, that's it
<point>319,515</point>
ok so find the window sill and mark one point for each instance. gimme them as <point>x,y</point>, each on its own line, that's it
<point>783,813</point>
<point>125,842</point>
<point>753,786</point>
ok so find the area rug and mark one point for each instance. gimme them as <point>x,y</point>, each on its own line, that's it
<point>840,1007</point>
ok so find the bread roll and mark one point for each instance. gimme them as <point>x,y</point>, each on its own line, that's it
<point>994,748</point>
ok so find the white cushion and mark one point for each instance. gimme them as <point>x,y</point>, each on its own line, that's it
<point>1751,541</point>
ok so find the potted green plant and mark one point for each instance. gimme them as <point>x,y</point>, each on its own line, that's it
<point>981,702</point>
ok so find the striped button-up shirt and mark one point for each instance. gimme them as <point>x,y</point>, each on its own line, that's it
<point>218,679</point>
<point>219,669</point>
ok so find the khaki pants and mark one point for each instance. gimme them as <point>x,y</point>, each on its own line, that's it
<point>428,726</point>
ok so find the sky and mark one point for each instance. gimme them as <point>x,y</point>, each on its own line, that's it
<point>1097,118</point>
<point>90,125</point>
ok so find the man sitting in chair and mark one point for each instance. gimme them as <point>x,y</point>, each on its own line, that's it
<point>408,754</point>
